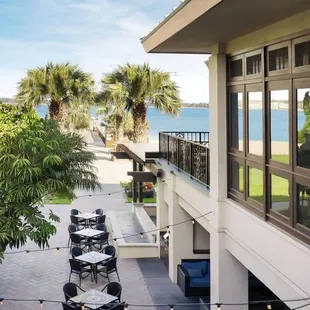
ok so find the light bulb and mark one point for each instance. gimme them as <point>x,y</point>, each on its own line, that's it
<point>41,303</point>
<point>27,252</point>
<point>126,307</point>
<point>1,301</point>
<point>218,306</point>
<point>269,307</point>
<point>171,307</point>
<point>193,221</point>
<point>57,250</point>
<point>141,235</point>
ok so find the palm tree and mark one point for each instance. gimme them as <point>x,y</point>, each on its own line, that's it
<point>57,85</point>
<point>141,87</point>
<point>78,116</point>
<point>111,101</point>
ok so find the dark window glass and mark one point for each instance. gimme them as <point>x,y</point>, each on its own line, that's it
<point>303,208</point>
<point>280,195</point>
<point>302,54</point>
<point>279,103</point>
<point>255,123</point>
<point>303,127</point>
<point>236,68</point>
<point>256,184</point>
<point>254,64</point>
<point>237,172</point>
<point>236,120</point>
<point>278,59</point>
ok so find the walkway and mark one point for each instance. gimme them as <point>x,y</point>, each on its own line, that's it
<point>41,275</point>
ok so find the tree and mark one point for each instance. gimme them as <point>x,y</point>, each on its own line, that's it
<point>111,101</point>
<point>78,116</point>
<point>57,85</point>
<point>37,160</point>
<point>141,87</point>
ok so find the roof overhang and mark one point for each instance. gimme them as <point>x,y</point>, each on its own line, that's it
<point>144,176</point>
<point>196,25</point>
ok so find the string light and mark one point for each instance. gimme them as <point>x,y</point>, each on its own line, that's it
<point>171,307</point>
<point>27,252</point>
<point>269,306</point>
<point>41,303</point>
<point>126,307</point>
<point>1,301</point>
<point>218,306</point>
<point>193,221</point>
<point>58,249</point>
<point>83,307</point>
<point>141,235</point>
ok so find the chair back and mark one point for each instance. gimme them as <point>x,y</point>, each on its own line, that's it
<point>120,306</point>
<point>74,212</point>
<point>101,226</point>
<point>104,237</point>
<point>70,290</point>
<point>98,211</point>
<point>72,228</point>
<point>101,219</point>
<point>110,250</point>
<point>76,251</point>
<point>75,265</point>
<point>76,239</point>
<point>114,289</point>
<point>111,264</point>
<point>74,220</point>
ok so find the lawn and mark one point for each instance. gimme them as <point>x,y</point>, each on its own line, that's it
<point>145,200</point>
<point>56,200</point>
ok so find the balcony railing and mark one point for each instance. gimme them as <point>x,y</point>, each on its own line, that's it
<point>188,151</point>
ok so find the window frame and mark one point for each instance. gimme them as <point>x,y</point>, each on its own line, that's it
<point>233,191</point>
<point>296,41</point>
<point>274,47</point>
<point>250,54</point>
<point>230,60</point>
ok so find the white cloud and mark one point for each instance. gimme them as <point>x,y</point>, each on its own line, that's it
<point>98,35</point>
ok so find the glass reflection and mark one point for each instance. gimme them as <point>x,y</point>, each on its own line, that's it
<point>279,118</point>
<point>256,184</point>
<point>280,195</point>
<point>303,127</point>
<point>236,121</point>
<point>303,211</point>
<point>237,176</point>
<point>255,123</point>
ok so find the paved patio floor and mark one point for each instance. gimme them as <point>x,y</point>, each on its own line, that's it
<point>41,275</point>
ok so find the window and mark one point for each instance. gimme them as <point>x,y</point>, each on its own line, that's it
<point>303,205</point>
<point>254,64</point>
<point>237,176</point>
<point>302,54</point>
<point>280,195</point>
<point>278,59</point>
<point>201,240</point>
<point>303,127</point>
<point>236,69</point>
<point>255,122</point>
<point>279,125</point>
<point>256,184</point>
<point>236,112</point>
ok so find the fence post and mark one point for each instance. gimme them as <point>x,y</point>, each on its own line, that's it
<point>191,158</point>
<point>168,151</point>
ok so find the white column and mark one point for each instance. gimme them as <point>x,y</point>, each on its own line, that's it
<point>229,278</point>
<point>217,117</point>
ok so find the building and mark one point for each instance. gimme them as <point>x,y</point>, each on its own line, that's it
<point>257,188</point>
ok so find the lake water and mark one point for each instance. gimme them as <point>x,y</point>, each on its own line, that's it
<point>197,119</point>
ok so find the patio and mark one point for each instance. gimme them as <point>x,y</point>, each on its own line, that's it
<point>41,275</point>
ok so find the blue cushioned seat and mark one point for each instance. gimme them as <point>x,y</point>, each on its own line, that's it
<point>200,282</point>
<point>202,265</point>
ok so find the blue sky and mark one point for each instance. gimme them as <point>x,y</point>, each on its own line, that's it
<point>95,34</point>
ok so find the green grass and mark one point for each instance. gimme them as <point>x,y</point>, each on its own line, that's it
<point>55,200</point>
<point>129,199</point>
<point>281,158</point>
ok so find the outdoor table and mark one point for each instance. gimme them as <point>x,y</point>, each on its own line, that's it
<point>93,258</point>
<point>89,233</point>
<point>93,299</point>
<point>87,216</point>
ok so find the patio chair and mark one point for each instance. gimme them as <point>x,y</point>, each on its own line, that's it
<point>120,306</point>
<point>80,224</point>
<point>101,240</point>
<point>71,229</point>
<point>114,289</point>
<point>109,250</point>
<point>74,212</point>
<point>69,307</point>
<point>108,268</point>
<point>78,241</point>
<point>77,268</point>
<point>98,220</point>
<point>99,211</point>
<point>101,226</point>
<point>70,290</point>
<point>77,251</point>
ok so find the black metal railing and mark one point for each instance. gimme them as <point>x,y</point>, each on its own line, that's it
<point>188,151</point>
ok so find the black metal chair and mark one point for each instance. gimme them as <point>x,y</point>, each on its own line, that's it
<point>71,229</point>
<point>77,251</point>
<point>120,306</point>
<point>74,212</point>
<point>114,289</point>
<point>70,290</point>
<point>108,268</point>
<point>78,241</point>
<point>80,224</point>
<point>99,220</point>
<point>99,211</point>
<point>109,250</point>
<point>77,268</point>
<point>101,240</point>
<point>101,226</point>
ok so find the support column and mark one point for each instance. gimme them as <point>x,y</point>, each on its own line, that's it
<point>229,278</point>
<point>140,185</point>
<point>218,121</point>
<point>134,184</point>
